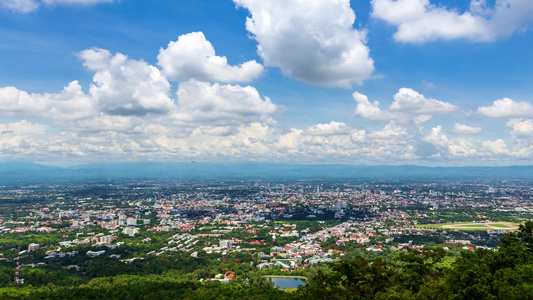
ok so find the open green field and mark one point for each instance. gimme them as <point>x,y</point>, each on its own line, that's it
<point>509,226</point>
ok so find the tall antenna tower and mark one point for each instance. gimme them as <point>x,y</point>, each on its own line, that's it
<point>17,279</point>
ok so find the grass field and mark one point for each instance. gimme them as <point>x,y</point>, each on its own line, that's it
<point>508,226</point>
<point>475,226</point>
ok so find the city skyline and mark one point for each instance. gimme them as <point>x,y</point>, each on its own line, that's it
<point>337,82</point>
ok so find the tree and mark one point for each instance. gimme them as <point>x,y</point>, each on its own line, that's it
<point>356,279</point>
<point>417,268</point>
<point>525,235</point>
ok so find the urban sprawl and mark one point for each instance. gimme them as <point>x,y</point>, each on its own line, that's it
<point>231,229</point>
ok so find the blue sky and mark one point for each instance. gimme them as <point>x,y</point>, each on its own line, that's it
<point>276,81</point>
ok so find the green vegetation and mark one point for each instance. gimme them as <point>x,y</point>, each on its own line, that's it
<point>415,274</point>
<point>504,225</point>
<point>136,287</point>
<point>475,226</point>
<point>482,274</point>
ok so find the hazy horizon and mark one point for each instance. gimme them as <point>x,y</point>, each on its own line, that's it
<point>163,171</point>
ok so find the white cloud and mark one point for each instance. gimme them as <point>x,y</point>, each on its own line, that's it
<point>193,57</point>
<point>23,6</point>
<point>271,142</point>
<point>465,129</point>
<point>221,104</point>
<point>22,127</point>
<point>103,122</point>
<point>506,108</point>
<point>26,6</point>
<point>371,110</point>
<point>124,86</point>
<point>521,128</point>
<point>463,148</point>
<point>390,131</point>
<point>20,139</point>
<point>418,120</point>
<point>127,96</point>
<point>408,106</point>
<point>495,147</point>
<point>437,137</point>
<point>128,114</point>
<point>410,100</point>
<point>313,41</point>
<point>122,91</point>
<point>69,104</point>
<point>420,21</point>
<point>331,128</point>
<point>457,148</point>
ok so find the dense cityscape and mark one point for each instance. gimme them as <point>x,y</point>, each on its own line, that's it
<point>243,231</point>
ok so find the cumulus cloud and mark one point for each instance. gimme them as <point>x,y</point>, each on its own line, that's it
<point>193,57</point>
<point>371,110</point>
<point>410,100</point>
<point>421,21</point>
<point>255,141</point>
<point>422,119</point>
<point>261,141</point>
<point>22,127</point>
<point>465,129</point>
<point>313,41</point>
<point>331,128</point>
<point>521,128</point>
<point>103,122</point>
<point>205,102</point>
<point>408,105</point>
<point>69,104</point>
<point>128,96</point>
<point>495,147</point>
<point>124,86</point>
<point>456,148</point>
<point>437,137</point>
<point>390,131</point>
<point>506,108</point>
<point>128,114</point>
<point>21,138</point>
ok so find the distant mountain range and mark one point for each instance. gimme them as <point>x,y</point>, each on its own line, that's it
<point>22,171</point>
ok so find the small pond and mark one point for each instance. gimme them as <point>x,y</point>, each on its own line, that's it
<point>287,283</point>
